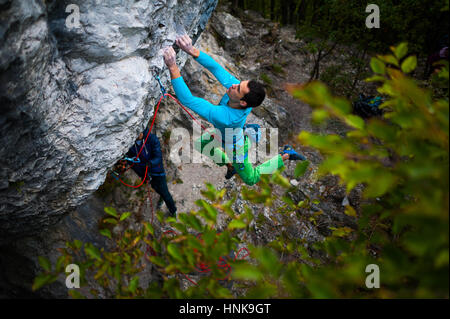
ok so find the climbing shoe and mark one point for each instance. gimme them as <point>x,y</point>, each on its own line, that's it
<point>230,173</point>
<point>293,155</point>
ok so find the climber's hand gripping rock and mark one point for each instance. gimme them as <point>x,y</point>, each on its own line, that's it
<point>170,57</point>
<point>170,61</point>
<point>185,43</point>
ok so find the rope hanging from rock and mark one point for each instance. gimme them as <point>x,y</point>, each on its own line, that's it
<point>136,159</point>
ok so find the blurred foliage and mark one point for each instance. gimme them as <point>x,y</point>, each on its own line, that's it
<point>278,69</point>
<point>400,159</point>
<point>326,26</point>
<point>266,79</point>
<point>422,23</point>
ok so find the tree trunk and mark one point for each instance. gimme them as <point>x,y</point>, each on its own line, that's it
<point>316,66</point>
<point>272,10</point>
<point>284,13</point>
<point>358,72</point>
<point>316,70</point>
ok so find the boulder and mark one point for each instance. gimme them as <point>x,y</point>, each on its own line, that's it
<point>231,34</point>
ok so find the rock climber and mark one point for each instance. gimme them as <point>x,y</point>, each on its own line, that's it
<point>151,155</point>
<point>231,112</point>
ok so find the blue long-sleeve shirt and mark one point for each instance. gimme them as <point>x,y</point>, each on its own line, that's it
<point>221,116</point>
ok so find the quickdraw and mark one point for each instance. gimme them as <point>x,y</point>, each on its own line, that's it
<point>163,90</point>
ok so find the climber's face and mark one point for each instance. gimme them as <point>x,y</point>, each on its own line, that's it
<point>237,91</point>
<point>141,136</point>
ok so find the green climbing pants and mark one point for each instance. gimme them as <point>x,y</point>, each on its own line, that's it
<point>249,174</point>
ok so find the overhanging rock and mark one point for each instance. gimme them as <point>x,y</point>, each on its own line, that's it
<point>72,99</point>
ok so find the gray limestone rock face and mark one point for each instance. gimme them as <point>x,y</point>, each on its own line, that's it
<point>230,32</point>
<point>77,85</point>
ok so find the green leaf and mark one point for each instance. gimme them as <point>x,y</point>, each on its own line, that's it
<point>194,222</point>
<point>92,251</point>
<point>75,294</point>
<point>342,105</point>
<point>279,179</point>
<point>236,223</point>
<point>301,168</point>
<point>341,231</point>
<point>45,263</point>
<point>41,281</point>
<point>133,284</point>
<point>375,78</point>
<point>355,121</point>
<point>350,211</point>
<point>175,252</point>
<point>409,64</point>
<point>390,59</point>
<point>102,270</point>
<point>77,244</point>
<point>288,201</point>
<point>110,221</point>
<point>149,228</point>
<point>158,261</point>
<point>442,259</point>
<point>116,272</point>
<point>111,211</point>
<point>247,272</point>
<point>60,264</point>
<point>377,66</point>
<point>320,115</point>
<point>211,212</point>
<point>384,181</point>
<point>401,50</point>
<point>269,260</point>
<point>209,237</point>
<point>263,291</point>
<point>125,216</point>
<point>106,232</point>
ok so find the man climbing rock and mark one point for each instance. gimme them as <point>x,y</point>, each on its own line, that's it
<point>151,155</point>
<point>228,117</point>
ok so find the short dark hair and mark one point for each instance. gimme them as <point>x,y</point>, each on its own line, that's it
<point>256,95</point>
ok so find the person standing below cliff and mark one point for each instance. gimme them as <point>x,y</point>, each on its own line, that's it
<point>231,112</point>
<point>151,156</point>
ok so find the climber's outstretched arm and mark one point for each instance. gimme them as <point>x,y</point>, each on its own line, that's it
<point>222,75</point>
<point>185,43</point>
<point>215,114</point>
<point>170,60</point>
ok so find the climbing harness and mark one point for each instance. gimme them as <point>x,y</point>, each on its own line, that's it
<point>253,132</point>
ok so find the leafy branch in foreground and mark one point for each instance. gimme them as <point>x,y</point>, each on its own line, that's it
<point>402,160</point>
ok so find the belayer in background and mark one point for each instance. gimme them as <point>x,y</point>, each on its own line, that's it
<point>151,155</point>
